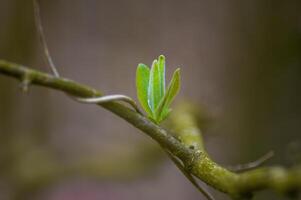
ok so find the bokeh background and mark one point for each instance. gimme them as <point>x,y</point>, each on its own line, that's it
<point>240,61</point>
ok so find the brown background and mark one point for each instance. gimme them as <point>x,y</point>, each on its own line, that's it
<point>240,60</point>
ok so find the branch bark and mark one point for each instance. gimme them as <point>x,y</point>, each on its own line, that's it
<point>186,143</point>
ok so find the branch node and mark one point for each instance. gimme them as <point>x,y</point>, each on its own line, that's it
<point>25,82</point>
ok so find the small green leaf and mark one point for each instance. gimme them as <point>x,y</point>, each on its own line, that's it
<point>173,89</point>
<point>151,91</point>
<point>142,82</point>
<point>155,86</point>
<point>161,63</point>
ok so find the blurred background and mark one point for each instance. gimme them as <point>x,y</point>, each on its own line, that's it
<point>240,61</point>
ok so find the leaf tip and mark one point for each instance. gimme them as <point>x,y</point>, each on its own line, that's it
<point>155,62</point>
<point>141,65</point>
<point>161,58</point>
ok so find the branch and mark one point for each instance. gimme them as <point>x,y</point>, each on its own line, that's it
<point>29,76</point>
<point>186,144</point>
<point>238,185</point>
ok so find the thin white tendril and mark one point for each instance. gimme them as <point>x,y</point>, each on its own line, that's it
<point>94,100</point>
<point>42,38</point>
<point>109,98</point>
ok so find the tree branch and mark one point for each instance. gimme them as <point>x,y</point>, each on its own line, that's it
<point>238,185</point>
<point>186,144</point>
<point>29,76</point>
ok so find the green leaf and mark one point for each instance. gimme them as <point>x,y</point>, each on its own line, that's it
<point>155,89</point>
<point>151,91</point>
<point>164,114</point>
<point>161,63</point>
<point>173,89</point>
<point>142,83</point>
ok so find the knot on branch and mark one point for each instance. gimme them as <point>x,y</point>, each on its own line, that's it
<point>196,156</point>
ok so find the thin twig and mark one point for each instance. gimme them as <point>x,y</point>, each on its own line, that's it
<point>194,182</point>
<point>94,100</point>
<point>254,164</point>
<point>41,34</point>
